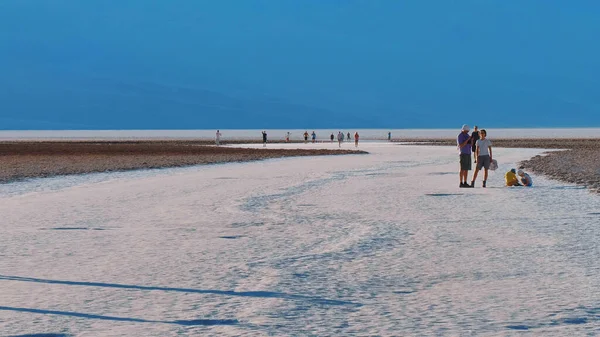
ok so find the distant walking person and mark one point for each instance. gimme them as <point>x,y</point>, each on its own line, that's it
<point>218,138</point>
<point>305,137</point>
<point>356,136</point>
<point>463,141</point>
<point>484,157</point>
<point>340,138</point>
<point>287,137</point>
<point>349,137</point>
<point>314,137</point>
<point>389,136</point>
<point>264,134</point>
<point>331,137</point>
<point>474,139</point>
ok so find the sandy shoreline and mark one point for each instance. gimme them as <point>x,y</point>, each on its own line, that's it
<point>21,160</point>
<point>579,163</point>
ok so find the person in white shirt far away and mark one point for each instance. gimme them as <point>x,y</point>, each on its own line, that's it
<point>218,138</point>
<point>484,157</point>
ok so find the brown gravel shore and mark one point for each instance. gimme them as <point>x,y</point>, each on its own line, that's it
<point>23,159</point>
<point>578,163</point>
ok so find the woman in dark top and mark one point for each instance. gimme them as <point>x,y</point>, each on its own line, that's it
<point>474,138</point>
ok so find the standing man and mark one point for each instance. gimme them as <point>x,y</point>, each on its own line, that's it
<point>474,139</point>
<point>314,137</point>
<point>305,137</point>
<point>390,136</point>
<point>463,141</point>
<point>264,134</point>
<point>287,137</point>
<point>331,137</point>
<point>356,139</point>
<point>340,138</point>
<point>484,157</point>
<point>218,138</point>
<point>349,138</point>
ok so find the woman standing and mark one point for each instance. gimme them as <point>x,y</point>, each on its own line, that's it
<point>484,156</point>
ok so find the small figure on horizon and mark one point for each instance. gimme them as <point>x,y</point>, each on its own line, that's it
<point>305,137</point>
<point>314,136</point>
<point>510,178</point>
<point>340,138</point>
<point>474,139</point>
<point>389,136</point>
<point>264,135</point>
<point>525,178</point>
<point>463,141</point>
<point>331,137</point>
<point>484,157</point>
<point>218,138</point>
<point>287,137</point>
<point>356,136</point>
<point>349,137</point>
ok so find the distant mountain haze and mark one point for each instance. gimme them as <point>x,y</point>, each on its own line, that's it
<point>264,64</point>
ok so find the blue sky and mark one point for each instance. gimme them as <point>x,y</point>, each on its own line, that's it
<point>199,64</point>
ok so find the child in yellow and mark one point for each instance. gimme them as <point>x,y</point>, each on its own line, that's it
<point>511,178</point>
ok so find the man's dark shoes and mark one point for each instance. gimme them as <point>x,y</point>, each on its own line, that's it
<point>462,185</point>
<point>484,183</point>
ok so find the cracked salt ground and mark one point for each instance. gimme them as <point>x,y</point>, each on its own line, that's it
<point>378,244</point>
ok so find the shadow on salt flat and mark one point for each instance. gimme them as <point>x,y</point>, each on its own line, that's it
<point>443,194</point>
<point>404,292</point>
<point>197,322</point>
<point>262,294</point>
<point>231,237</point>
<point>301,275</point>
<point>72,229</point>
<point>441,173</point>
<point>518,327</point>
<point>585,316</point>
<point>375,174</point>
<point>42,335</point>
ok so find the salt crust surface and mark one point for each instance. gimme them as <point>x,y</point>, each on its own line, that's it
<point>378,244</point>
